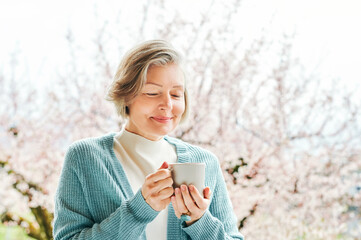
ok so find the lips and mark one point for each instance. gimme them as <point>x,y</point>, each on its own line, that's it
<point>162,119</point>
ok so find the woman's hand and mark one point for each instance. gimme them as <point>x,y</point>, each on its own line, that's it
<point>187,200</point>
<point>158,188</point>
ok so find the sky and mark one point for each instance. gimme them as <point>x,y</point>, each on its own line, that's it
<point>327,31</point>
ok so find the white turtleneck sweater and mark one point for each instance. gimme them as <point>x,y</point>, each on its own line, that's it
<point>139,158</point>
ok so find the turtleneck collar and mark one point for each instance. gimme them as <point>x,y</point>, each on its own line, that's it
<point>148,155</point>
<point>136,142</point>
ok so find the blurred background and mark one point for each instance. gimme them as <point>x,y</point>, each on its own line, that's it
<point>275,94</point>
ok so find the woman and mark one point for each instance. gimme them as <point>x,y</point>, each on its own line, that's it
<point>118,186</point>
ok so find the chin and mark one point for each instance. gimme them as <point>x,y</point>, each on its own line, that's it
<point>163,131</point>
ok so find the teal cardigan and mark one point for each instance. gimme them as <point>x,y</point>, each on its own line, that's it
<point>94,199</point>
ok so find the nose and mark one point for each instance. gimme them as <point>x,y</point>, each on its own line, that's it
<point>166,102</point>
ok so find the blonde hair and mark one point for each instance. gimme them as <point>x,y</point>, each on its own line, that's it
<point>131,74</point>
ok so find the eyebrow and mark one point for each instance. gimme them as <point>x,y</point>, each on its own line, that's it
<point>159,85</point>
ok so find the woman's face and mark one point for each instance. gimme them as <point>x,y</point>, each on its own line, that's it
<point>157,110</point>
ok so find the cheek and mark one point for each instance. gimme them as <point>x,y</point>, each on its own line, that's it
<point>179,107</point>
<point>140,109</point>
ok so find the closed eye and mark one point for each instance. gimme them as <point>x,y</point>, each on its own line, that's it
<point>152,94</point>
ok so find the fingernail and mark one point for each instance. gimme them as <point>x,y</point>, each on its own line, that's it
<point>183,188</point>
<point>164,165</point>
<point>177,190</point>
<point>191,188</point>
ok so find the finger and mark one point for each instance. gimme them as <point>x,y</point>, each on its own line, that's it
<point>188,200</point>
<point>180,202</point>
<point>152,188</point>
<point>165,193</point>
<point>158,175</point>
<point>175,206</point>
<point>197,197</point>
<point>162,184</point>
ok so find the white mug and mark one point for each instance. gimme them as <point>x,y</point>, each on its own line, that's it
<point>188,174</point>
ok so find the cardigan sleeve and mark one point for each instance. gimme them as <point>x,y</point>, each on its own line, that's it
<point>219,220</point>
<point>73,219</point>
